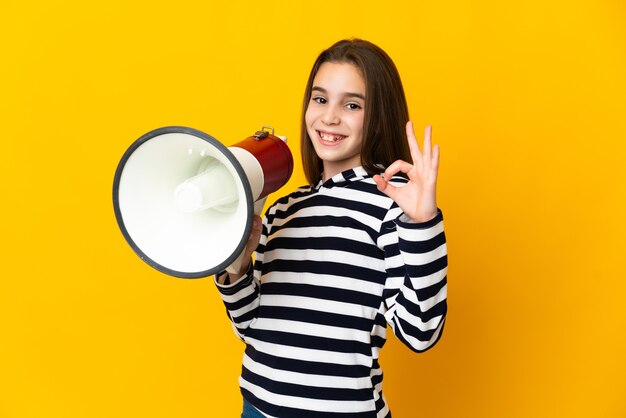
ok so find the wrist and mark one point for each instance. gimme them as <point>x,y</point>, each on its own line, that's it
<point>409,222</point>
<point>421,218</point>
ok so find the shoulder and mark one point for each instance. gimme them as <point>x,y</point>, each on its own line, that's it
<point>296,194</point>
<point>285,201</point>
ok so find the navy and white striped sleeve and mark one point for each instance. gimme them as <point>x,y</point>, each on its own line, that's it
<point>241,298</point>
<point>416,287</point>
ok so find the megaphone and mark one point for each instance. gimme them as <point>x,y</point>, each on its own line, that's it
<point>185,202</point>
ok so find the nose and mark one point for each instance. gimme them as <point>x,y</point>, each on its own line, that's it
<point>330,116</point>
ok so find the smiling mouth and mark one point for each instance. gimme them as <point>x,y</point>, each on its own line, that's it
<point>327,137</point>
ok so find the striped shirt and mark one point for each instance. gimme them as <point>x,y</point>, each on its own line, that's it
<point>336,263</point>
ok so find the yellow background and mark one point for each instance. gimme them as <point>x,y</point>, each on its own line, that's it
<point>528,102</point>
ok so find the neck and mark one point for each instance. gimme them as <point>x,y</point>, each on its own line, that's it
<point>331,169</point>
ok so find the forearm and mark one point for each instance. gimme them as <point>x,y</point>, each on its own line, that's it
<point>417,307</point>
<point>240,297</point>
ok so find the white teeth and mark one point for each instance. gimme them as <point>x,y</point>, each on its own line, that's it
<point>331,138</point>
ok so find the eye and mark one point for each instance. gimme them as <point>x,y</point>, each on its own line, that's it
<point>319,100</point>
<point>353,106</point>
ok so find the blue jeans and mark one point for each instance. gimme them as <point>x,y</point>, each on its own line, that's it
<point>250,411</point>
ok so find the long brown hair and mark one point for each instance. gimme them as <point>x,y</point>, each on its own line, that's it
<point>386,110</point>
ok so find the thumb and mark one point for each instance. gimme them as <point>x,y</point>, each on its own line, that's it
<point>383,185</point>
<point>255,235</point>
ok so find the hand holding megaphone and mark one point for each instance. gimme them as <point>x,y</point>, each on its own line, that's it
<point>241,265</point>
<point>186,203</point>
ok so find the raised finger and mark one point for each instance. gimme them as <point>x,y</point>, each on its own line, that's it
<point>427,147</point>
<point>416,154</point>
<point>435,161</point>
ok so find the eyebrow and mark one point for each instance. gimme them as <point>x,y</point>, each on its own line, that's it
<point>346,94</point>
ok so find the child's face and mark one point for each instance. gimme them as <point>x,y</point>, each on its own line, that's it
<point>334,116</point>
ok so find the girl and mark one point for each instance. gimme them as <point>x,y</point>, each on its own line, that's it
<point>339,260</point>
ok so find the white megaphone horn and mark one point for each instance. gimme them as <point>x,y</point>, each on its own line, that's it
<point>185,202</point>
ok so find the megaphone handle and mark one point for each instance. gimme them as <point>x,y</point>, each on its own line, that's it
<point>258,206</point>
<point>235,267</point>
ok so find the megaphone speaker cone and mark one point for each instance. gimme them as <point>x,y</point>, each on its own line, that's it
<point>176,242</point>
<point>185,202</point>
<point>213,187</point>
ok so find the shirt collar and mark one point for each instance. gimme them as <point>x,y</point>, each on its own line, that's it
<point>344,178</point>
